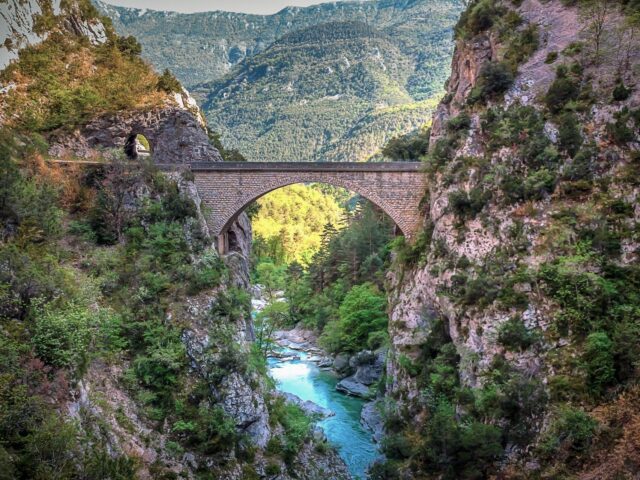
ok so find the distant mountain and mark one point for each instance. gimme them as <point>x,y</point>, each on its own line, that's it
<point>329,82</point>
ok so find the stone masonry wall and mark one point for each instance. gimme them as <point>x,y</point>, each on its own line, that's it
<point>227,191</point>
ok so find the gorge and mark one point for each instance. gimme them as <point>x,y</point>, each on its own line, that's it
<point>474,315</point>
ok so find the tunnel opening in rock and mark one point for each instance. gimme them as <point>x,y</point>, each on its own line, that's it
<point>137,146</point>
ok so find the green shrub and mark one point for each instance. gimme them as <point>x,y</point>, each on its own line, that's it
<point>409,147</point>
<point>397,446</point>
<point>458,449</point>
<point>274,446</point>
<point>494,79</point>
<point>576,189</point>
<point>551,57</point>
<point>466,206</point>
<point>216,431</point>
<point>620,130</point>
<point>232,305</point>
<point>569,136</point>
<point>574,48</point>
<point>169,83</point>
<point>584,297</point>
<point>538,184</point>
<point>581,168</point>
<point>228,155</point>
<point>509,297</point>
<point>378,339</point>
<point>384,470</point>
<point>571,430</point>
<point>522,127</point>
<point>459,123</point>
<point>272,469</point>
<point>296,427</point>
<point>478,17</point>
<point>24,200</point>
<point>110,335</point>
<point>128,45</point>
<point>480,292</point>
<point>523,44</point>
<point>205,273</point>
<point>61,336</point>
<point>620,92</point>
<point>361,313</point>
<point>598,362</point>
<point>441,374</point>
<point>562,90</point>
<point>514,335</point>
<point>412,254</point>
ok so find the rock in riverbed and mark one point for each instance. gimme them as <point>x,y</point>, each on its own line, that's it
<point>352,387</point>
<point>371,419</point>
<point>309,407</point>
<point>341,363</point>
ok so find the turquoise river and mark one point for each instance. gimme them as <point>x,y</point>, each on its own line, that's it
<point>307,381</point>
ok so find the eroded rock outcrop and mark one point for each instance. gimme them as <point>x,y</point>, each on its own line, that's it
<point>367,368</point>
<point>175,134</point>
<point>19,25</point>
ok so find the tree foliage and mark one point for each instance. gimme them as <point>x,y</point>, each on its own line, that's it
<point>295,216</point>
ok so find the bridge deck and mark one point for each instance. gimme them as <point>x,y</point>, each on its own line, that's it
<point>308,166</point>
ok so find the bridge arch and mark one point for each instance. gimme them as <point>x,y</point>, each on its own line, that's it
<point>228,188</point>
<point>243,202</point>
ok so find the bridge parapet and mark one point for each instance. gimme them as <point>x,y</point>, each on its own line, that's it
<point>308,166</point>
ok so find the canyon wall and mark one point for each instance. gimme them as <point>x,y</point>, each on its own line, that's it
<point>531,147</point>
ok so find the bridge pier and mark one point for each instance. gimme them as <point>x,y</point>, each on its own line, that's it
<point>223,243</point>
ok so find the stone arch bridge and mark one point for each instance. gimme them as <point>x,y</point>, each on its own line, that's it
<point>227,188</point>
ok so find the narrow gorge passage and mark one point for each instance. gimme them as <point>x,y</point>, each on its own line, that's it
<point>306,380</point>
<point>331,262</point>
<point>319,310</point>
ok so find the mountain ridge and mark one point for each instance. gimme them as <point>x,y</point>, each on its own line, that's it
<point>301,83</point>
<point>233,43</point>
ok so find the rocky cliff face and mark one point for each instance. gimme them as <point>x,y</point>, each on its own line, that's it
<point>482,268</point>
<point>22,23</point>
<point>175,134</point>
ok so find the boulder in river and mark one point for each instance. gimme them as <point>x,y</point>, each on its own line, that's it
<point>307,406</point>
<point>341,363</point>
<point>352,387</point>
<point>369,366</point>
<point>325,362</point>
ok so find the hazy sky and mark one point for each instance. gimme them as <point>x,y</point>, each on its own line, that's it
<point>246,6</point>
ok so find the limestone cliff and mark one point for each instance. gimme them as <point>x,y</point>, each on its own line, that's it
<point>533,196</point>
<point>23,23</point>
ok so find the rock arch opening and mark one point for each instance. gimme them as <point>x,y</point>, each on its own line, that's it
<point>137,146</point>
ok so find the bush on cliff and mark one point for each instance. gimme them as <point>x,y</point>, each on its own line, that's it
<point>494,79</point>
<point>362,312</point>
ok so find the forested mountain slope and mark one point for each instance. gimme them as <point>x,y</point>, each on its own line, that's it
<point>305,97</point>
<point>331,82</point>
<point>202,47</point>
